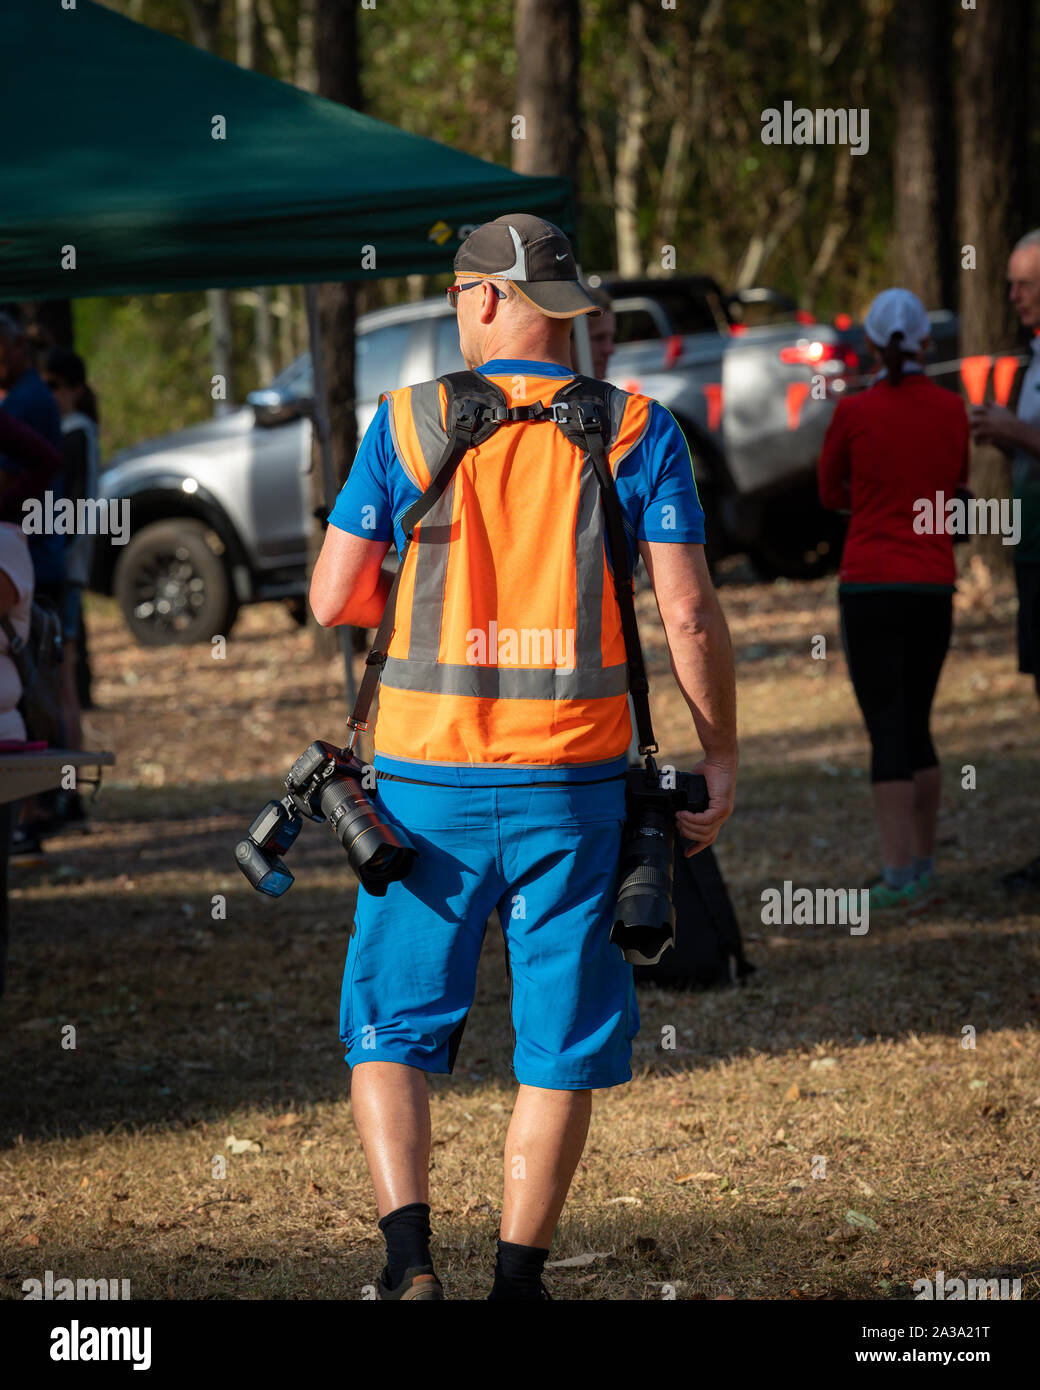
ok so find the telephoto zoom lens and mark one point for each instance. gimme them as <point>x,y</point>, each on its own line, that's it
<point>377,853</point>
<point>644,921</point>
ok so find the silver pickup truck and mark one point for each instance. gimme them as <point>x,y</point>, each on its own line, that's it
<point>219,513</point>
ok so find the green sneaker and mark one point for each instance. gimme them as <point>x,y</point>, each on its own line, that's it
<point>911,895</point>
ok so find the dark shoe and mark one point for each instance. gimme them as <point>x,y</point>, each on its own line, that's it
<point>1024,880</point>
<point>66,812</point>
<point>545,1294</point>
<point>73,809</point>
<point>26,848</point>
<point>416,1284</point>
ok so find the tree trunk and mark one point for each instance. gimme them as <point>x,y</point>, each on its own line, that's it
<point>922,123</point>
<point>306,51</point>
<point>265,356</point>
<point>632,126</point>
<point>274,39</point>
<point>245,34</point>
<point>686,83</point>
<point>548,55</point>
<point>789,207</point>
<point>284,311</point>
<point>205,22</point>
<point>991,56</point>
<point>839,212</point>
<point>263,332</point>
<point>221,343</point>
<point>339,79</point>
<point>48,322</point>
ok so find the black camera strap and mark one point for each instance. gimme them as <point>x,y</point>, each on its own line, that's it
<point>581,410</point>
<point>586,425</point>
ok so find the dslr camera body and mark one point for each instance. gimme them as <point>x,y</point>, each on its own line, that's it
<point>644,923</point>
<point>325,784</point>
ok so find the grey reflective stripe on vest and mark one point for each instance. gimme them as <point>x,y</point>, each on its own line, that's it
<point>588,552</point>
<point>430,544</point>
<point>505,682</point>
<point>430,541</point>
<point>618,401</point>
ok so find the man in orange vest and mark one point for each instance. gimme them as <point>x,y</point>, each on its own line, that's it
<point>501,741</point>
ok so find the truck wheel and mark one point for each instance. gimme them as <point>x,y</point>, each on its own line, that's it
<point>297,610</point>
<point>798,539</point>
<point>173,585</point>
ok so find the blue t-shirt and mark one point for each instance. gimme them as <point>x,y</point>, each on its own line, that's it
<point>30,401</point>
<point>658,495</point>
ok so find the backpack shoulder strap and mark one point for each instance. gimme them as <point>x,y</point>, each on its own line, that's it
<point>474,409</point>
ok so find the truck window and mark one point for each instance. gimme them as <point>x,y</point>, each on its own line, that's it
<point>446,354</point>
<point>380,360</point>
<point>635,325</point>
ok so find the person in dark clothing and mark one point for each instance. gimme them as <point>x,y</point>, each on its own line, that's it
<point>27,399</point>
<point>66,375</point>
<point>33,463</point>
<point>903,440</point>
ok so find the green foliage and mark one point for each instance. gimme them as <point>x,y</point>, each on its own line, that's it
<point>148,358</point>
<point>446,70</point>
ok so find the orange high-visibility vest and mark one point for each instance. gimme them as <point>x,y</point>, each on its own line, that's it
<point>507,648</point>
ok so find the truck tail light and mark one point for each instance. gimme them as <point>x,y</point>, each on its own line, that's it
<point>673,349</point>
<point>811,354</point>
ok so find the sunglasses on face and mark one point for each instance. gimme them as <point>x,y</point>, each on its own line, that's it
<point>453,291</point>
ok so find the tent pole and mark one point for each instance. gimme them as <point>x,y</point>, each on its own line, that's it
<point>320,420</point>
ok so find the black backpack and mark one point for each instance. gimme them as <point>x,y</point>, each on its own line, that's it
<point>708,950</point>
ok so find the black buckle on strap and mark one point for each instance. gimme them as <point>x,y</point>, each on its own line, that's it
<point>585,416</point>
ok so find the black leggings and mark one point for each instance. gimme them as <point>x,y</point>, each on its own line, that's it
<point>895,643</point>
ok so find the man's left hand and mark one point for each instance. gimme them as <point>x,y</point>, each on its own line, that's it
<point>703,826</point>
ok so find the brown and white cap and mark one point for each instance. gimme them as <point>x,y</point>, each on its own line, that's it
<point>533,254</point>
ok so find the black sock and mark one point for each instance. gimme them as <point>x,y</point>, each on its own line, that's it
<point>407,1232</point>
<point>518,1271</point>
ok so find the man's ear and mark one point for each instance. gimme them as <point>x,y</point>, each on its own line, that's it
<point>489,302</point>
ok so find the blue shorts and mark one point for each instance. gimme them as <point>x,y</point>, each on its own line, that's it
<point>546,857</point>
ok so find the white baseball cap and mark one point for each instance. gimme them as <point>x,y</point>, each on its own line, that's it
<point>897,311</point>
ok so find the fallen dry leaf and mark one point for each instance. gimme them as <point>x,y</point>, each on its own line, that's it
<point>242,1146</point>
<point>577,1261</point>
<point>856,1218</point>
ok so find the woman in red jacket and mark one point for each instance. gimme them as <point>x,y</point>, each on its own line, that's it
<point>889,453</point>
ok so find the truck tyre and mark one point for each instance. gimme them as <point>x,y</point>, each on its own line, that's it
<point>173,584</point>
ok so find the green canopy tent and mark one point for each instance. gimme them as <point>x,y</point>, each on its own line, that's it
<point>144,165</point>
<point>114,155</point>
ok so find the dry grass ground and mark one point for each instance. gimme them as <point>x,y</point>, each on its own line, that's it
<point>700,1174</point>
